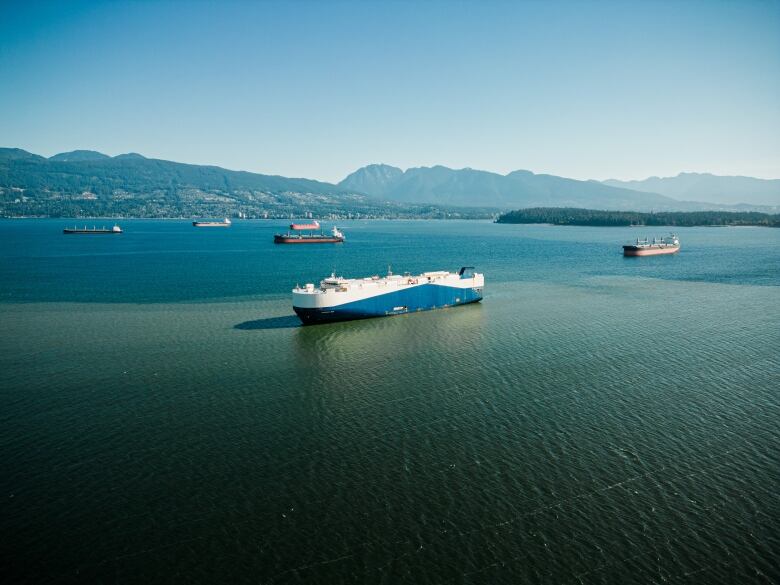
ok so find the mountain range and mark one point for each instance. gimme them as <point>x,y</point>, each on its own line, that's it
<point>686,192</point>
<point>704,187</point>
<point>90,170</point>
<point>85,182</point>
<point>466,187</point>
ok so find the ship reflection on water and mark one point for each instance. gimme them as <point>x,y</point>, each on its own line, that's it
<point>283,322</point>
<point>366,345</point>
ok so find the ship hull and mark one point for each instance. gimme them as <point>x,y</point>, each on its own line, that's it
<point>279,239</point>
<point>415,299</point>
<point>637,251</point>
<point>90,232</point>
<point>210,225</point>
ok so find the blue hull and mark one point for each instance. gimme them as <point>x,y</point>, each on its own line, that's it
<point>420,298</point>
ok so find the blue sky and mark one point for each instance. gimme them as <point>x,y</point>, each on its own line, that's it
<point>318,89</point>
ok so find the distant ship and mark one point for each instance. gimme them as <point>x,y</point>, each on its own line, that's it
<point>315,225</point>
<point>344,299</point>
<point>668,245</point>
<point>225,223</point>
<point>335,237</point>
<point>93,230</point>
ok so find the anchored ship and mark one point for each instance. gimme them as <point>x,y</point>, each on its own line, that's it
<point>315,225</point>
<point>225,223</point>
<point>335,236</point>
<point>344,299</point>
<point>93,230</point>
<point>668,245</point>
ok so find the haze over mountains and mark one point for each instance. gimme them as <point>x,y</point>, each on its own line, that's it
<point>85,182</point>
<point>705,187</point>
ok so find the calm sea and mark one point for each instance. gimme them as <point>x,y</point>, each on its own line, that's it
<point>597,419</point>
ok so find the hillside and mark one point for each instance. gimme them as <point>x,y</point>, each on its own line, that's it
<point>375,179</point>
<point>87,183</point>
<point>79,155</point>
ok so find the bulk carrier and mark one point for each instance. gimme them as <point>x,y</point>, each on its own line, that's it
<point>669,245</point>
<point>202,224</point>
<point>93,230</point>
<point>335,237</point>
<point>344,299</point>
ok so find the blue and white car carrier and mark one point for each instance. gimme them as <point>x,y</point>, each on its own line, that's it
<point>343,299</point>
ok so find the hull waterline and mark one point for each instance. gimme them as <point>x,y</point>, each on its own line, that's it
<point>634,251</point>
<point>386,308</point>
<point>307,240</point>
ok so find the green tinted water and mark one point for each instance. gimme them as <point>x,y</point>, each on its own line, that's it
<point>595,419</point>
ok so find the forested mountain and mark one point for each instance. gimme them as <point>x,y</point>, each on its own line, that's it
<point>374,180</point>
<point>101,175</point>
<point>442,185</point>
<point>79,155</point>
<point>87,183</point>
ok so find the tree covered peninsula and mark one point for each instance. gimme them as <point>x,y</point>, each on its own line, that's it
<point>594,217</point>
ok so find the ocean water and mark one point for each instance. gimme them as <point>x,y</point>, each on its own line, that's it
<point>596,419</point>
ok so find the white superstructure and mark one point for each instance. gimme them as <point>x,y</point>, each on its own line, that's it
<point>336,290</point>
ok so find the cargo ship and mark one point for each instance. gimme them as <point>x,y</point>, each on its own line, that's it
<point>225,223</point>
<point>335,236</point>
<point>345,299</point>
<point>93,230</point>
<point>668,245</point>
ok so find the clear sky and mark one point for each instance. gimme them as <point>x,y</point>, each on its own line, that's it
<point>318,89</point>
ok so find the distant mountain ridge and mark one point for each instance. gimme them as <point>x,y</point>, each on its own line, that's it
<point>88,169</point>
<point>517,189</point>
<point>706,187</point>
<point>76,155</point>
<point>83,182</point>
